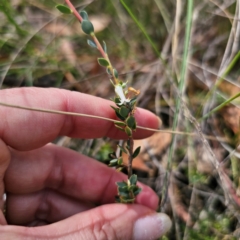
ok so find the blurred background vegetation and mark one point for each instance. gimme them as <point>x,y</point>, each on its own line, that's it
<point>43,48</point>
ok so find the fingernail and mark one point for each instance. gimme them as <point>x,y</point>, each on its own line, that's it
<point>151,227</point>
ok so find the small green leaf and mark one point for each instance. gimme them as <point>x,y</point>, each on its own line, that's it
<point>63,9</point>
<point>117,100</point>
<point>124,84</point>
<point>133,101</point>
<point>118,115</point>
<point>104,47</point>
<point>113,162</point>
<point>133,179</point>
<point>115,73</point>
<point>136,152</point>
<point>124,111</point>
<point>87,27</point>
<point>121,184</point>
<point>123,189</point>
<point>137,191</point>
<point>103,62</point>
<point>84,15</point>
<point>128,144</point>
<point>114,108</point>
<point>120,128</point>
<point>133,188</point>
<point>119,169</point>
<point>124,194</point>
<point>121,124</point>
<point>91,43</point>
<point>108,70</point>
<point>120,161</point>
<point>128,131</point>
<point>122,149</point>
<point>131,122</point>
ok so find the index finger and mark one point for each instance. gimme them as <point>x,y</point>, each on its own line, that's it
<point>26,130</point>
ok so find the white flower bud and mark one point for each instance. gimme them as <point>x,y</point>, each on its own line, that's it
<point>121,95</point>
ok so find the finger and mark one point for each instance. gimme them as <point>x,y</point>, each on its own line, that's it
<point>115,221</point>
<point>34,129</point>
<point>4,162</point>
<point>46,206</point>
<point>67,172</point>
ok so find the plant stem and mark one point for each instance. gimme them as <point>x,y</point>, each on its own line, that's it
<point>130,157</point>
<point>77,15</point>
<point>99,46</point>
<point>110,67</point>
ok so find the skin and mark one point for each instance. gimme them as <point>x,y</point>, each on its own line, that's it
<point>66,194</point>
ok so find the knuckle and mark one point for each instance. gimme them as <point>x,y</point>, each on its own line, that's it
<point>103,230</point>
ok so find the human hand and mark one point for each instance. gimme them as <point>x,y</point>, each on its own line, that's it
<point>69,194</point>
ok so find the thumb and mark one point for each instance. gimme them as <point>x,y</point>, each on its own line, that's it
<point>113,221</point>
<point>4,162</point>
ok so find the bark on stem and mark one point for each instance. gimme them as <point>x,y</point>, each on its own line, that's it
<point>99,46</point>
<point>77,15</point>
<point>130,157</point>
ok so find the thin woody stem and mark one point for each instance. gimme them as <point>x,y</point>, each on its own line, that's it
<point>130,157</point>
<point>77,15</point>
<point>99,46</point>
<point>110,67</point>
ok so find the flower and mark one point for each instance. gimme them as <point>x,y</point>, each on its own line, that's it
<point>120,93</point>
